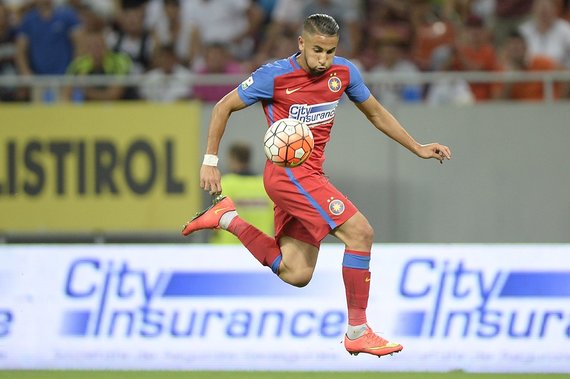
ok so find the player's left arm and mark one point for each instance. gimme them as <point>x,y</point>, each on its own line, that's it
<point>387,124</point>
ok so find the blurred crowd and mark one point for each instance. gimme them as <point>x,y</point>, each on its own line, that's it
<point>167,41</point>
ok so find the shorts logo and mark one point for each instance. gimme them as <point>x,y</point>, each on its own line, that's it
<point>336,207</point>
<point>335,84</point>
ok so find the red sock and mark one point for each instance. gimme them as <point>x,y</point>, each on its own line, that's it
<point>356,276</point>
<point>263,247</point>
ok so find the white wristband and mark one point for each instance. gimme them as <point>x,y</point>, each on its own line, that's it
<point>210,160</point>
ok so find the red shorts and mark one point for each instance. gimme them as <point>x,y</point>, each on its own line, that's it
<point>307,205</point>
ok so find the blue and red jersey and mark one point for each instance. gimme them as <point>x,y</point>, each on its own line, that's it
<point>287,91</point>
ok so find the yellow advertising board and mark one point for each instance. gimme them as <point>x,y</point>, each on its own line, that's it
<point>98,168</point>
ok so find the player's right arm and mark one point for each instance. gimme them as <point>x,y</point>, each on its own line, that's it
<point>210,176</point>
<point>257,87</point>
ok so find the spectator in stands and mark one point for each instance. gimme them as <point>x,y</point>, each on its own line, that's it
<point>509,14</point>
<point>383,20</point>
<point>547,34</point>
<point>95,15</point>
<point>97,60</point>
<point>245,187</point>
<point>169,81</point>
<point>430,32</point>
<point>475,52</point>
<point>233,23</point>
<point>284,46</point>
<point>393,54</point>
<point>165,18</point>
<point>447,91</point>
<point>103,8</point>
<point>267,7</point>
<point>456,10</point>
<point>288,16</point>
<point>565,10</point>
<point>131,37</point>
<point>285,20</point>
<point>484,9</point>
<point>515,57</point>
<point>48,38</point>
<point>217,60</point>
<point>124,4</point>
<point>8,55</point>
<point>18,8</point>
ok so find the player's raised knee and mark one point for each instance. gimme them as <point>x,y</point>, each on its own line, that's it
<point>300,278</point>
<point>300,281</point>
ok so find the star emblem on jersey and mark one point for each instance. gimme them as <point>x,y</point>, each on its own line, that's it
<point>336,207</point>
<point>335,84</point>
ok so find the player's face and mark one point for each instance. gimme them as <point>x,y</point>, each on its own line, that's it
<point>317,52</point>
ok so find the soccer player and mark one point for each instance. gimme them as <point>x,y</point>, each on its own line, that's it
<point>307,86</point>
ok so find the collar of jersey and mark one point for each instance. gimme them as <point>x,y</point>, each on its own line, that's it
<point>293,59</point>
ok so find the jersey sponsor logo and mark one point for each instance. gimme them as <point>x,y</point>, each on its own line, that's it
<point>336,207</point>
<point>313,114</point>
<point>335,84</point>
<point>246,83</point>
<point>290,91</point>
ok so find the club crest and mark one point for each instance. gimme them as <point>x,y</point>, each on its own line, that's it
<point>335,84</point>
<point>336,207</point>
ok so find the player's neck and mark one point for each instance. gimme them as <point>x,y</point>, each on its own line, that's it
<point>301,62</point>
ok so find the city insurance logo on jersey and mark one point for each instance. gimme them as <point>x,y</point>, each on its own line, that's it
<point>313,114</point>
<point>447,298</point>
<point>118,299</point>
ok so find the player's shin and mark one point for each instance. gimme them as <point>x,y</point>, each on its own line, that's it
<point>263,247</point>
<point>356,276</point>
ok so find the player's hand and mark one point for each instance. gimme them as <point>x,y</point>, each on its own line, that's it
<point>434,150</point>
<point>211,179</point>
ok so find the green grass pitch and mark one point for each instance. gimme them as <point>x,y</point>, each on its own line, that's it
<point>260,375</point>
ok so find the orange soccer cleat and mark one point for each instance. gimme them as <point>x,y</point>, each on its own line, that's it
<point>210,217</point>
<point>371,343</point>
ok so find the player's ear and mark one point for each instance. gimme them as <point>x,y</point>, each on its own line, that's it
<point>301,43</point>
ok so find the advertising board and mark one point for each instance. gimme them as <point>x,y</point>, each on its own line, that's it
<point>99,167</point>
<point>484,308</point>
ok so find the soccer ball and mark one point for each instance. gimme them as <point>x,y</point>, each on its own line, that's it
<point>288,142</point>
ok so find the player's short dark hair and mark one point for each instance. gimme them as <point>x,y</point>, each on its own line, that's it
<point>241,152</point>
<point>320,23</point>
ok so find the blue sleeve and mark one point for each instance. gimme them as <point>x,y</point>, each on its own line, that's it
<point>71,18</point>
<point>259,86</point>
<point>356,90</point>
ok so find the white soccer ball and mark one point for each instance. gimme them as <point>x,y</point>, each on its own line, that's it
<point>288,142</point>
